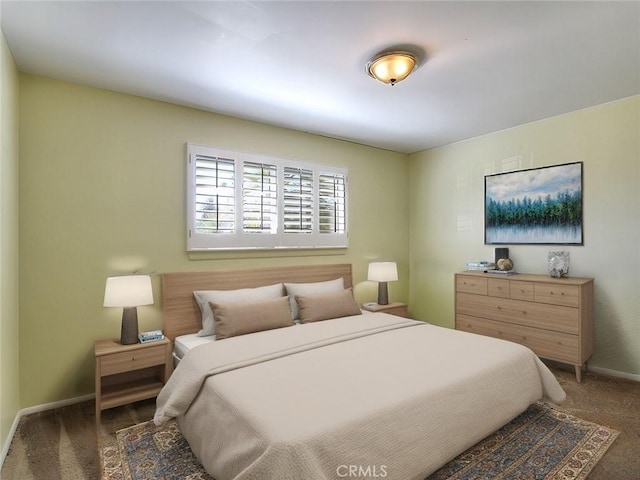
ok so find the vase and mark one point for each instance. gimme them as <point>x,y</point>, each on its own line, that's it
<point>558,264</point>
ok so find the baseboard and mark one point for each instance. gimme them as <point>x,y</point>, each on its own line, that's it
<point>60,403</point>
<point>35,409</point>
<point>7,442</point>
<point>614,373</point>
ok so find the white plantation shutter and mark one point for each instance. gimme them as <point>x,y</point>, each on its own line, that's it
<point>259,198</point>
<point>215,194</point>
<point>332,194</point>
<point>239,200</point>
<point>298,200</point>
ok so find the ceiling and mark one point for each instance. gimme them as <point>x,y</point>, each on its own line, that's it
<point>486,66</point>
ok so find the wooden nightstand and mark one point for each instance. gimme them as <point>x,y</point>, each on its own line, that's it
<point>396,308</point>
<point>129,373</point>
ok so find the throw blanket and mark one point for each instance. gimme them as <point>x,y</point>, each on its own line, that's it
<point>372,392</point>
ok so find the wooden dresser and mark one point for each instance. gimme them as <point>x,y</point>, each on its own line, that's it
<point>551,316</point>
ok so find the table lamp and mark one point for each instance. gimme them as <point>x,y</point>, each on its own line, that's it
<point>383,272</point>
<point>128,292</point>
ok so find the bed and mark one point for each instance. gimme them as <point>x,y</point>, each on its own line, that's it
<point>364,395</point>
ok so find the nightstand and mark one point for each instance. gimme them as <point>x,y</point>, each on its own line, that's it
<point>396,308</point>
<point>129,373</point>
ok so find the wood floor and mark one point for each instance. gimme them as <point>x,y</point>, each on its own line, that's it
<point>62,444</point>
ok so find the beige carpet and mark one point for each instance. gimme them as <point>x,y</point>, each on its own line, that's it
<point>61,444</point>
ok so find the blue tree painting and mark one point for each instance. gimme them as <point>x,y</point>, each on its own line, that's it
<point>535,206</point>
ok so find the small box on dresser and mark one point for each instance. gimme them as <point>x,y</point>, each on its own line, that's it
<point>551,316</point>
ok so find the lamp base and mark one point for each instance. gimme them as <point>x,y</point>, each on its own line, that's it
<point>129,329</point>
<point>383,294</point>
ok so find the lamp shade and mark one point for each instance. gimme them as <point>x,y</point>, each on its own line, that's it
<point>128,291</point>
<point>383,272</point>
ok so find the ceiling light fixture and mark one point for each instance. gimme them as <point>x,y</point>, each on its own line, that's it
<point>392,67</point>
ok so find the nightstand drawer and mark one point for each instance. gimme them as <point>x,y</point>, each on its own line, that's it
<point>133,360</point>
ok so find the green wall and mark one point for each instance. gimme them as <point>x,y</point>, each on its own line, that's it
<point>9,371</point>
<point>446,217</point>
<point>102,192</point>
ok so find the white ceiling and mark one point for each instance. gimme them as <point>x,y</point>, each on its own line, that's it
<point>301,64</point>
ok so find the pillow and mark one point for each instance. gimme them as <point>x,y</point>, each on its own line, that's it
<point>234,319</point>
<point>243,295</point>
<point>315,288</point>
<point>327,306</point>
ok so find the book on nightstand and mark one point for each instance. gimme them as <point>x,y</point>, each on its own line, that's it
<point>150,336</point>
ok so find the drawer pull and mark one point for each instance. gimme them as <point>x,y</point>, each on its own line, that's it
<point>499,307</point>
<point>133,359</point>
<point>499,332</point>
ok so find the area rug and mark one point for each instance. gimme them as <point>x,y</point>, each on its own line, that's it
<point>544,443</point>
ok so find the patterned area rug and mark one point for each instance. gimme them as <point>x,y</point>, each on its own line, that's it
<point>544,443</point>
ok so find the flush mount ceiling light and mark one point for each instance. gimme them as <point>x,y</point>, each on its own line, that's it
<point>392,67</point>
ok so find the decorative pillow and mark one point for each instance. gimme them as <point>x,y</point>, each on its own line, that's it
<point>307,289</point>
<point>243,295</point>
<point>327,306</point>
<point>234,319</point>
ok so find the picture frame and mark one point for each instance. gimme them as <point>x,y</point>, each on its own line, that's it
<point>536,206</point>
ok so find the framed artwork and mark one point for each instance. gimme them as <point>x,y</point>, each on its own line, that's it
<point>537,206</point>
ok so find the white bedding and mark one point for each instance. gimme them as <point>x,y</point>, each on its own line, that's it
<point>376,391</point>
<point>184,343</point>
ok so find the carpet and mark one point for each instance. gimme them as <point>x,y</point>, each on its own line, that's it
<point>543,443</point>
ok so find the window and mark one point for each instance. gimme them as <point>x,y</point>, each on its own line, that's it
<point>239,200</point>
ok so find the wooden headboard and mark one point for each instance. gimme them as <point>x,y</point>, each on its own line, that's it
<point>182,314</point>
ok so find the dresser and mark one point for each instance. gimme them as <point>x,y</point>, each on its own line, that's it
<point>551,316</point>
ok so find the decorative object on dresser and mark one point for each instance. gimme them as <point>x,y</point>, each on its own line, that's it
<point>558,264</point>
<point>129,373</point>
<point>128,292</point>
<point>395,308</point>
<point>500,252</point>
<point>505,264</point>
<point>383,272</point>
<point>552,316</point>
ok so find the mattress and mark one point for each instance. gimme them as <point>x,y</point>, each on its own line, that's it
<point>184,343</point>
<point>374,391</point>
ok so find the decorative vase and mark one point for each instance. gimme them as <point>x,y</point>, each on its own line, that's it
<point>558,264</point>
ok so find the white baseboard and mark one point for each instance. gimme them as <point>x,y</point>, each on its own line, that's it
<point>7,442</point>
<point>60,403</point>
<point>35,409</point>
<point>614,373</point>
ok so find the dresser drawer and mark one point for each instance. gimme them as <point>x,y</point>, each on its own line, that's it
<point>469,284</point>
<point>521,290</point>
<point>554,294</point>
<point>134,360</point>
<point>537,315</point>
<point>498,287</point>
<point>558,346</point>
